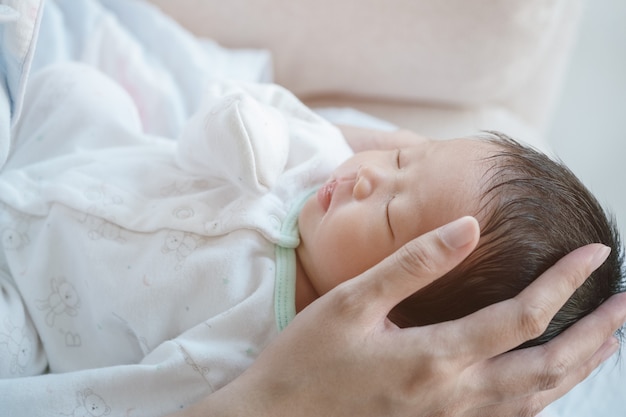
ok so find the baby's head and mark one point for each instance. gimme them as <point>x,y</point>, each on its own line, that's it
<point>533,211</point>
<point>376,201</point>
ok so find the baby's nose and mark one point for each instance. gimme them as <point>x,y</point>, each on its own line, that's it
<point>367,179</point>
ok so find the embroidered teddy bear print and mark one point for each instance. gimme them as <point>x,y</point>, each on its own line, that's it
<point>90,405</point>
<point>181,244</point>
<point>97,217</point>
<point>14,229</point>
<point>13,239</point>
<point>102,229</point>
<point>19,346</point>
<point>63,299</point>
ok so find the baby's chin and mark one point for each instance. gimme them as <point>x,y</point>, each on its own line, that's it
<point>308,218</point>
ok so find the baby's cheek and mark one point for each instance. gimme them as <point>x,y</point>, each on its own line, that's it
<point>355,263</point>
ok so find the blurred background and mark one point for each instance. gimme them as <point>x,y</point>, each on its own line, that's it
<point>588,131</point>
<point>589,134</point>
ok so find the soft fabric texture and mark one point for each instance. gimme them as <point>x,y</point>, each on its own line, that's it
<point>125,219</point>
<point>143,258</point>
<point>320,47</point>
<point>18,20</point>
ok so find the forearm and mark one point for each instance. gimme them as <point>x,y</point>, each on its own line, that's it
<point>250,394</point>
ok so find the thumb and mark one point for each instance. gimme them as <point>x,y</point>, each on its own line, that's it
<point>418,263</point>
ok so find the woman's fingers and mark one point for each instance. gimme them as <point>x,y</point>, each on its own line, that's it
<point>505,325</point>
<point>530,405</point>
<point>542,399</point>
<point>583,340</point>
<point>563,362</point>
<point>343,337</point>
<point>416,264</point>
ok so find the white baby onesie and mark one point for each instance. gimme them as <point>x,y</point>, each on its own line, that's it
<point>146,262</point>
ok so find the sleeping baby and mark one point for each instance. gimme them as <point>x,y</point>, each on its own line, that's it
<point>170,264</point>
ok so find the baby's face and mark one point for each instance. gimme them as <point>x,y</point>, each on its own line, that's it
<point>377,201</point>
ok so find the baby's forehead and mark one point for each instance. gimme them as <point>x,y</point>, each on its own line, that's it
<point>470,147</point>
<point>481,142</point>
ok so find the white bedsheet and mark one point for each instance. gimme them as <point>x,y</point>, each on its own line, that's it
<point>162,66</point>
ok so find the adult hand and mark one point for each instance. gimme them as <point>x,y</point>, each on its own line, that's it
<point>341,356</point>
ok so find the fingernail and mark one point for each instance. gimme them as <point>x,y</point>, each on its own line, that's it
<point>458,233</point>
<point>600,256</point>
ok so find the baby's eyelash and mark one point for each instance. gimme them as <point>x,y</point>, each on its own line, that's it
<point>398,158</point>
<point>388,217</point>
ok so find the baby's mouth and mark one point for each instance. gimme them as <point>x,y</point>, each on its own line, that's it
<point>325,194</point>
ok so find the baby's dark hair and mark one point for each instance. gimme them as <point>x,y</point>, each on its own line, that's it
<point>533,211</point>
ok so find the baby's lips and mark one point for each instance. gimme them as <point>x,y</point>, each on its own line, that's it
<point>325,194</point>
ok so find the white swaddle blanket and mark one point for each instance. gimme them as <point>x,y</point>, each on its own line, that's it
<point>145,260</point>
<point>161,66</point>
<point>157,264</point>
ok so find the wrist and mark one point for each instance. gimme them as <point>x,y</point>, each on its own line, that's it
<point>248,395</point>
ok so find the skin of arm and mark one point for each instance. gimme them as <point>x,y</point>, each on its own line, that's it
<point>334,358</point>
